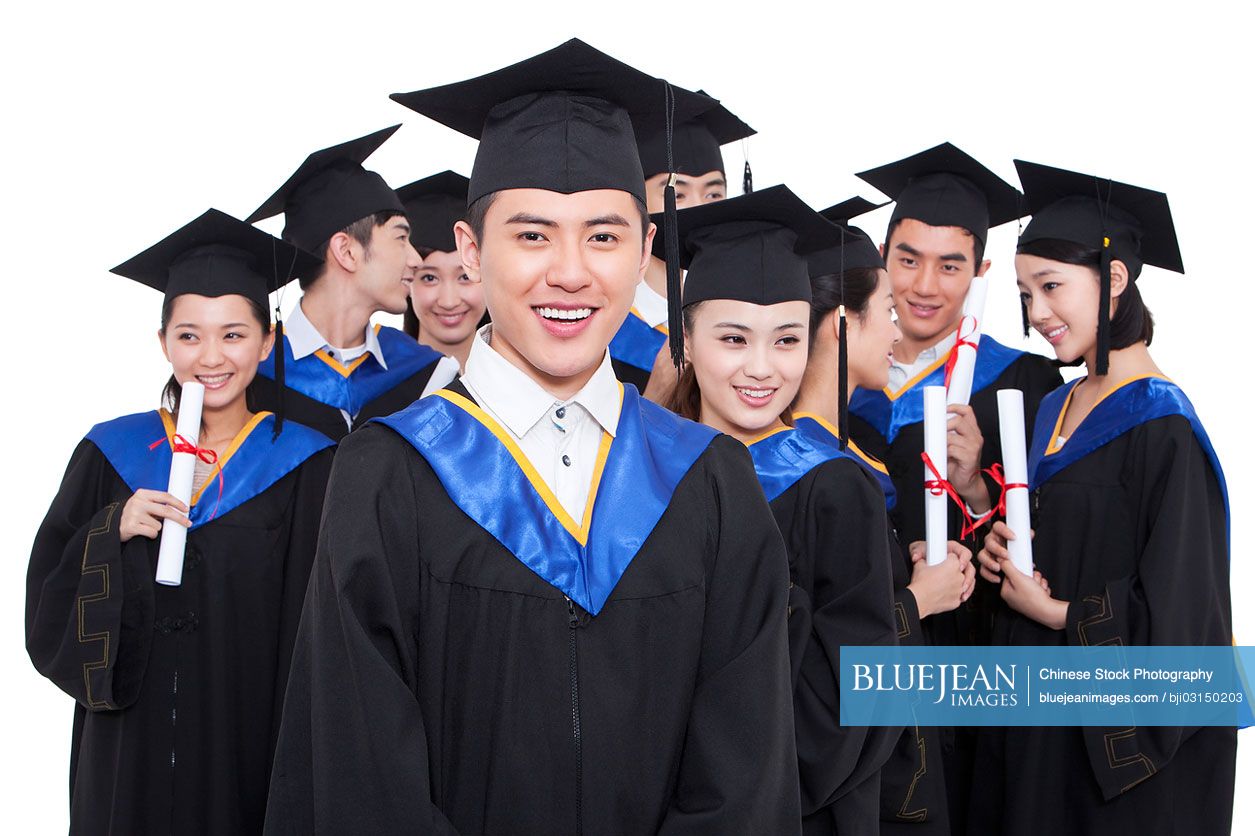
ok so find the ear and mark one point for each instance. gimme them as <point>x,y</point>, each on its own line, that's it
<point>647,251</point>
<point>984,267</point>
<point>834,322</point>
<point>882,251</point>
<point>1119,279</point>
<point>341,249</point>
<point>468,249</point>
<point>161,338</point>
<point>267,343</point>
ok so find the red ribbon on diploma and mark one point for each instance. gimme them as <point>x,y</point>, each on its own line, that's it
<point>179,444</point>
<point>959,340</point>
<point>938,486</point>
<point>1000,507</point>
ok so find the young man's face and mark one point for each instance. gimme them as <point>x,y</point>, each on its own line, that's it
<point>559,273</point>
<point>689,190</point>
<point>388,267</point>
<point>930,269</point>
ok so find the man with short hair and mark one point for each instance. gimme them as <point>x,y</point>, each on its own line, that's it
<point>540,603</point>
<point>337,371</point>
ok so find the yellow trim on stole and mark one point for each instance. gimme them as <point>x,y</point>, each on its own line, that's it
<point>659,327</point>
<point>872,461</point>
<point>167,421</point>
<point>906,387</point>
<point>339,367</point>
<point>579,532</point>
<point>767,435</point>
<point>1055,445</point>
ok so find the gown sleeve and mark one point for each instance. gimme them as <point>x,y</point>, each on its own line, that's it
<point>738,769</point>
<point>89,596</point>
<point>853,605</point>
<point>352,748</point>
<point>1178,593</point>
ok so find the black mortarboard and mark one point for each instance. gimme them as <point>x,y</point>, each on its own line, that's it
<point>433,205</point>
<point>1123,222</point>
<point>945,187</point>
<point>560,121</point>
<point>694,144</point>
<point>329,192</point>
<point>858,250</point>
<point>217,255</point>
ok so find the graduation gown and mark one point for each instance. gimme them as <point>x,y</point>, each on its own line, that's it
<point>912,780</point>
<point>178,689</point>
<point>317,387</point>
<point>634,348</point>
<point>1131,529</point>
<point>487,665</point>
<point>832,515</point>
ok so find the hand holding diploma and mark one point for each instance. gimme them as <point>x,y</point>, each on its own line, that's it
<point>182,473</point>
<point>145,512</point>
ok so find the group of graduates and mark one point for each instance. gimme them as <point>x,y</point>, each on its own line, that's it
<point>587,568</point>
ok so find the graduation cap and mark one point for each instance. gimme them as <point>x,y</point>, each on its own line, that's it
<point>563,121</point>
<point>329,192</point>
<point>1121,221</point>
<point>943,186</point>
<point>433,205</point>
<point>217,255</point>
<point>750,248</point>
<point>694,144</point>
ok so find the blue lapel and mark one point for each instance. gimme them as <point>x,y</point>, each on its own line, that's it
<point>783,457</point>
<point>821,431</point>
<point>636,343</point>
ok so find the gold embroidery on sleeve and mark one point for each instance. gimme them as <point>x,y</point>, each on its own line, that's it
<point>84,600</point>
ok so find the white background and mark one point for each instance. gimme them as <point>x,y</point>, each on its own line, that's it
<point>122,121</point>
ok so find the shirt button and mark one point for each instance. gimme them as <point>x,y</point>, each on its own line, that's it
<point>566,460</point>
<point>561,413</point>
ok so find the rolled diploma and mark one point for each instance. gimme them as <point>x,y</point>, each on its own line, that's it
<point>1015,470</point>
<point>935,517</point>
<point>182,472</point>
<point>969,328</point>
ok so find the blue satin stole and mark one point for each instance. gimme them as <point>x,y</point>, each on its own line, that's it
<point>890,411</point>
<point>351,387</point>
<point>636,343</point>
<point>490,479</point>
<point>1132,403</point>
<point>816,428</point>
<point>785,455</point>
<point>254,461</point>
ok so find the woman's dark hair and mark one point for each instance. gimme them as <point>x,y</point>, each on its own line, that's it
<point>853,288</point>
<point>685,399</point>
<point>1132,322</point>
<point>173,391</point>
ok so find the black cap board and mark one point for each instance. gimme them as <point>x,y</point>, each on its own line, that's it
<point>943,186</point>
<point>433,205</point>
<point>856,254</point>
<point>694,144</point>
<point>218,255</point>
<point>1122,222</point>
<point>560,121</point>
<point>330,191</point>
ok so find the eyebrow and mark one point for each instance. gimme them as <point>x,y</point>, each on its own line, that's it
<point>613,219</point>
<point>718,181</point>
<point>909,250</point>
<point>1045,271</point>
<point>528,218</point>
<point>738,326</point>
<point>788,325</point>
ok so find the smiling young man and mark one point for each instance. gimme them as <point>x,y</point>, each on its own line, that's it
<point>694,154</point>
<point>336,370</point>
<point>934,247</point>
<point>584,630</point>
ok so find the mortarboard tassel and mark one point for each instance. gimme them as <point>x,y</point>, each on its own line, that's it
<point>747,181</point>
<point>1104,307</point>
<point>843,381</point>
<point>1024,316</point>
<point>671,244</point>
<point>279,378</point>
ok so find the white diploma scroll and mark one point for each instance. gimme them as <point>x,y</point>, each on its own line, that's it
<point>960,389</point>
<point>936,532</point>
<point>1015,470</point>
<point>182,472</point>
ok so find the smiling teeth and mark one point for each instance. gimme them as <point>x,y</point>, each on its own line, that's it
<point>1054,332</point>
<point>211,380</point>
<point>565,314</point>
<point>754,393</point>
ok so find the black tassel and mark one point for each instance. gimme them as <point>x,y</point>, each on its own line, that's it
<point>843,383</point>
<point>1104,308</point>
<point>279,378</point>
<point>747,181</point>
<point>671,246</point>
<point>1024,316</point>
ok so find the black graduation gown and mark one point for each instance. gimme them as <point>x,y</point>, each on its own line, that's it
<point>439,685</point>
<point>628,373</point>
<point>834,524</point>
<point>382,391</point>
<point>1134,535</point>
<point>178,689</point>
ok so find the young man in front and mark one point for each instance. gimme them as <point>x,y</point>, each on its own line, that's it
<point>638,350</point>
<point>934,247</point>
<point>584,629</point>
<point>337,371</point>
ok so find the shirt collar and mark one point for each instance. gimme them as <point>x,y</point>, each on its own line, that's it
<point>929,355</point>
<point>304,338</point>
<point>520,402</point>
<point>651,305</point>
